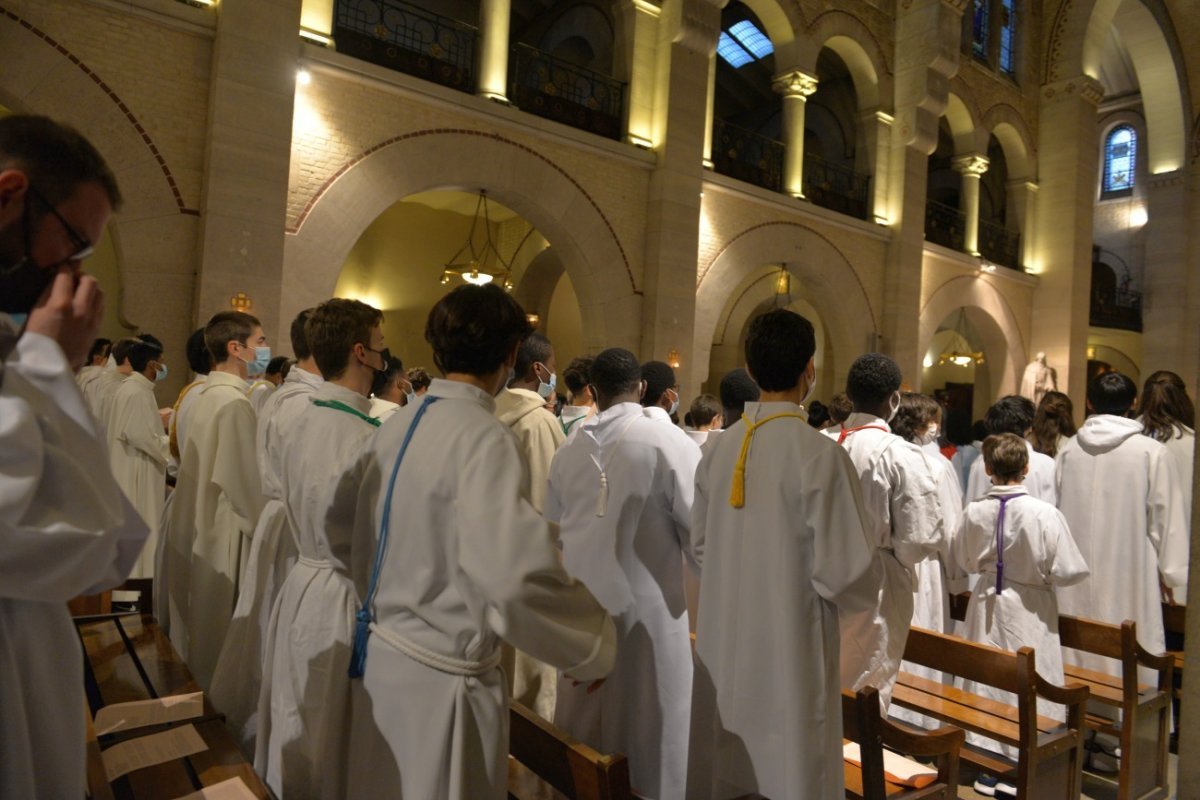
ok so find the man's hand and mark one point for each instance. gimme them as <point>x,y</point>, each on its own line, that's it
<point>1168,595</point>
<point>70,314</point>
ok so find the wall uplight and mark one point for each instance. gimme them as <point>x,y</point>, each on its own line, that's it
<point>1138,217</point>
<point>303,77</point>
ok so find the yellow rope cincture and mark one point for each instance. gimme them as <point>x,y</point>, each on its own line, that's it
<point>737,493</point>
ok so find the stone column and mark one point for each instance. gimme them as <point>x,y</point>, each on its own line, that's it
<point>249,146</point>
<point>971,167</point>
<point>709,105</point>
<point>492,73</point>
<point>1165,278</point>
<point>877,129</point>
<point>637,46</point>
<point>1068,161</point>
<point>795,86</point>
<point>1022,206</point>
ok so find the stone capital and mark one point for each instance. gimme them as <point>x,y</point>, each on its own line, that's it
<point>794,84</point>
<point>1083,87</point>
<point>972,164</point>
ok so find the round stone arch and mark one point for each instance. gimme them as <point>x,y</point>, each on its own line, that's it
<point>513,175</point>
<point>583,22</point>
<point>780,26</point>
<point>1003,343</point>
<point>859,50</point>
<point>1008,126</point>
<point>963,117</point>
<point>830,283</point>
<point>536,285</point>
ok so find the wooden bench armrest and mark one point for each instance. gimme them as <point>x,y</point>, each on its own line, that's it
<point>1164,662</point>
<point>1073,694</point>
<point>946,740</point>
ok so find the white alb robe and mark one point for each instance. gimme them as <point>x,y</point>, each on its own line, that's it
<point>1182,447</point>
<point>138,452</point>
<point>766,699</point>
<point>382,409</point>
<point>87,374</point>
<point>259,392</point>
<point>468,561</point>
<point>1119,493</point>
<point>630,559</point>
<point>66,530</point>
<point>304,703</point>
<point>237,677</point>
<point>91,390</point>
<point>106,388</point>
<point>183,413</point>
<point>901,499</point>
<point>962,460</point>
<point>1039,555</point>
<point>207,526</point>
<point>1039,482</point>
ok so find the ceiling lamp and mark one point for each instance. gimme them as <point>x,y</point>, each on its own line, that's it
<point>480,265</point>
<point>958,351</point>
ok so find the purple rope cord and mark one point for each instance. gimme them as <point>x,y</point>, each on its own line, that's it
<point>1000,539</point>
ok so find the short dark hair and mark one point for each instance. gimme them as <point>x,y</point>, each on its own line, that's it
<point>705,409</point>
<point>615,371</point>
<point>56,158</point>
<point>1111,393</point>
<point>1006,455</point>
<point>818,413</point>
<point>334,327</point>
<point>779,346</point>
<point>300,348</point>
<point>1165,407</point>
<point>872,378</point>
<point>145,348</point>
<point>840,408</point>
<point>196,351</point>
<point>226,327</point>
<point>979,430</point>
<point>958,427</point>
<point>536,348</point>
<point>473,329</point>
<point>1011,414</point>
<point>915,413</point>
<point>577,375</point>
<point>276,364</point>
<point>120,350</point>
<point>384,379</point>
<point>737,388</point>
<point>659,377</point>
<point>100,347</point>
<point>419,378</point>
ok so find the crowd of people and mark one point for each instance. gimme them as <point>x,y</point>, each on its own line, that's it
<point>360,563</point>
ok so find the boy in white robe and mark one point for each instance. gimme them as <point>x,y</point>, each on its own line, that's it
<point>661,400</point>
<point>1168,416</point>
<point>1014,414</point>
<point>1119,493</point>
<point>65,526</point>
<point>466,560</point>
<point>779,530</point>
<point>237,677</point>
<point>1021,549</point>
<point>906,527</point>
<point>216,502</point>
<point>137,443</point>
<point>96,359</point>
<point>390,390</point>
<point>304,702</point>
<point>264,386</point>
<point>621,492</point>
<point>100,391</point>
<point>200,362</point>
<point>581,404</point>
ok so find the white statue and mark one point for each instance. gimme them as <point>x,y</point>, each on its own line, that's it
<point>1038,379</point>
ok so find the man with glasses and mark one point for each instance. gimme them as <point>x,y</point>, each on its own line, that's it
<point>65,527</point>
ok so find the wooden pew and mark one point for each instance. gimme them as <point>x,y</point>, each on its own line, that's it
<point>547,763</point>
<point>128,658</point>
<point>863,723</point>
<point>1050,754</point>
<point>1145,709</point>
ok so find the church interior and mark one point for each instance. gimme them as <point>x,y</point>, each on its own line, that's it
<point>984,190</point>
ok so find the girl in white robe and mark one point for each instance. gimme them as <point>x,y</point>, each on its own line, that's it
<point>1021,549</point>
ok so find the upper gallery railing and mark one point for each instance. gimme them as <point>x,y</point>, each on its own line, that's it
<point>747,156</point>
<point>556,89</point>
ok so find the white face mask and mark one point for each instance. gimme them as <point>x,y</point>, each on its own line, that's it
<point>929,436</point>
<point>809,392</point>
<point>674,406</point>
<point>894,406</point>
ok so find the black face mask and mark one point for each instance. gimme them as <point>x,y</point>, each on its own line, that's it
<point>22,283</point>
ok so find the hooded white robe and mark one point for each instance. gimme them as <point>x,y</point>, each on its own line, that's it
<point>1039,555</point>
<point>630,559</point>
<point>1120,495</point>
<point>1040,481</point>
<point>138,452</point>
<point>962,460</point>
<point>766,699</point>
<point>304,703</point>
<point>382,409</point>
<point>468,561</point>
<point>237,677</point>
<point>207,526</point>
<point>900,496</point>
<point>259,392</point>
<point>67,530</point>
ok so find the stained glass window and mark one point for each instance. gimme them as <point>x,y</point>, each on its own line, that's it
<point>732,52</point>
<point>1008,35</point>
<point>1120,158</point>
<point>752,38</point>
<point>979,29</point>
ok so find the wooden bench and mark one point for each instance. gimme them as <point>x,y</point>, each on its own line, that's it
<point>1049,763</point>
<point>128,658</point>
<point>1145,709</point>
<point>547,764</point>
<point>863,723</point>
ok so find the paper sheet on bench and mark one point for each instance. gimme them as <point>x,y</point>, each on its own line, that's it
<point>232,789</point>
<point>140,713</point>
<point>896,768</point>
<point>146,751</point>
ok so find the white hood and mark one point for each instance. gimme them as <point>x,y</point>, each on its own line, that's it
<point>1102,432</point>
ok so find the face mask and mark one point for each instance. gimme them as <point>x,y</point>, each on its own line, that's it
<point>547,389</point>
<point>808,394</point>
<point>18,319</point>
<point>512,374</point>
<point>929,436</point>
<point>385,356</point>
<point>674,406</point>
<point>24,281</point>
<point>410,397</point>
<point>161,374</point>
<point>258,365</point>
<point>894,406</point>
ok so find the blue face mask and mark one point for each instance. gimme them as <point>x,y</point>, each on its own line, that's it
<point>547,389</point>
<point>161,374</point>
<point>18,319</point>
<point>410,397</point>
<point>262,357</point>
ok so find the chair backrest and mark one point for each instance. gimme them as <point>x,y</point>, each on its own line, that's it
<point>570,766</point>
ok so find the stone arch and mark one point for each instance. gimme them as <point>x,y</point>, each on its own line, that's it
<point>584,22</point>
<point>963,117</point>
<point>858,48</point>
<point>514,175</point>
<point>988,311</point>
<point>780,26</point>
<point>535,287</point>
<point>828,279</point>
<point>1008,126</point>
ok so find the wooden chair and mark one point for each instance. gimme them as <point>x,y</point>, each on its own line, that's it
<point>1145,709</point>
<point>1050,753</point>
<point>545,760</point>
<point>863,723</point>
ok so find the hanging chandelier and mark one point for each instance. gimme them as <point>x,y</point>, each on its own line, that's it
<point>484,264</point>
<point>958,351</point>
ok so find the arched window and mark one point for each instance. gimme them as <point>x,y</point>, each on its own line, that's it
<point>1008,36</point>
<point>979,29</point>
<point>1120,157</point>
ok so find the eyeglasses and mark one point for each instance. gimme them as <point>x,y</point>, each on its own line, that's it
<point>82,247</point>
